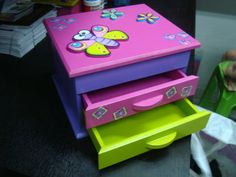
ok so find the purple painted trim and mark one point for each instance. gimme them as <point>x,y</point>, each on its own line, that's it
<point>73,111</point>
<point>131,72</point>
<point>71,102</point>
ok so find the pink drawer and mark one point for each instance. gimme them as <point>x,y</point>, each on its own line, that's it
<point>112,103</point>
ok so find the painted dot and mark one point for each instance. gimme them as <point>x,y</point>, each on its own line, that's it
<point>97,28</point>
<point>76,44</point>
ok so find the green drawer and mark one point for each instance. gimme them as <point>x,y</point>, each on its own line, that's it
<point>153,129</point>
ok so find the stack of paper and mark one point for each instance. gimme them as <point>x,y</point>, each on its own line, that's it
<point>13,10</point>
<point>19,37</point>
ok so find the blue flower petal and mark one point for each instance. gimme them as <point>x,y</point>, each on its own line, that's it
<point>106,15</point>
<point>106,12</point>
<point>119,14</point>
<point>113,10</point>
<point>113,17</point>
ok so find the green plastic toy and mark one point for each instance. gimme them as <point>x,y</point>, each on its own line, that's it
<point>226,100</point>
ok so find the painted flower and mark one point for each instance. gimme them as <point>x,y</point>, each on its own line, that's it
<point>148,17</point>
<point>59,27</point>
<point>55,20</point>
<point>184,42</point>
<point>183,34</point>
<point>60,23</point>
<point>170,36</point>
<point>113,14</point>
<point>182,38</point>
<point>69,20</point>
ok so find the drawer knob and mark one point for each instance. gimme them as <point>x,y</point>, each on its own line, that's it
<point>148,103</point>
<point>162,142</point>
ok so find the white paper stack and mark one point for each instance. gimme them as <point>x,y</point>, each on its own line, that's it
<point>12,10</point>
<point>17,40</point>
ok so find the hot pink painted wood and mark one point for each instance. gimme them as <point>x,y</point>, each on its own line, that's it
<point>148,103</point>
<point>109,104</point>
<point>146,41</point>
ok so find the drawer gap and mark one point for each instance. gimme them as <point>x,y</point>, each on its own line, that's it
<point>130,87</point>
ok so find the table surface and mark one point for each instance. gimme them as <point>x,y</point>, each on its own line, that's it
<point>145,41</point>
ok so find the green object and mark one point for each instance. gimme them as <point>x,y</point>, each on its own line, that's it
<point>153,129</point>
<point>226,100</point>
<point>66,3</point>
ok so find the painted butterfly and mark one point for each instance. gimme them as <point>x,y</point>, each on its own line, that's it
<point>95,43</point>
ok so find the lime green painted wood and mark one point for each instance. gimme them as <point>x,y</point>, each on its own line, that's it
<point>162,142</point>
<point>97,140</point>
<point>226,101</point>
<point>130,136</point>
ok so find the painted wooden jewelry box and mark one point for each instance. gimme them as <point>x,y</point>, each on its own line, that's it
<point>119,73</point>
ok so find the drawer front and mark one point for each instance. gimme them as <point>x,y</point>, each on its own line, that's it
<point>118,141</point>
<point>121,101</point>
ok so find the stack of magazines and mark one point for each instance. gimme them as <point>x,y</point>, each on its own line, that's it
<point>13,10</point>
<point>18,37</point>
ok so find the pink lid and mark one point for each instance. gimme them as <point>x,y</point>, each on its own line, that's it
<point>114,37</point>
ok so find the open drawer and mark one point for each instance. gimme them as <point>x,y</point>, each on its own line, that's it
<point>153,129</point>
<point>112,103</point>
